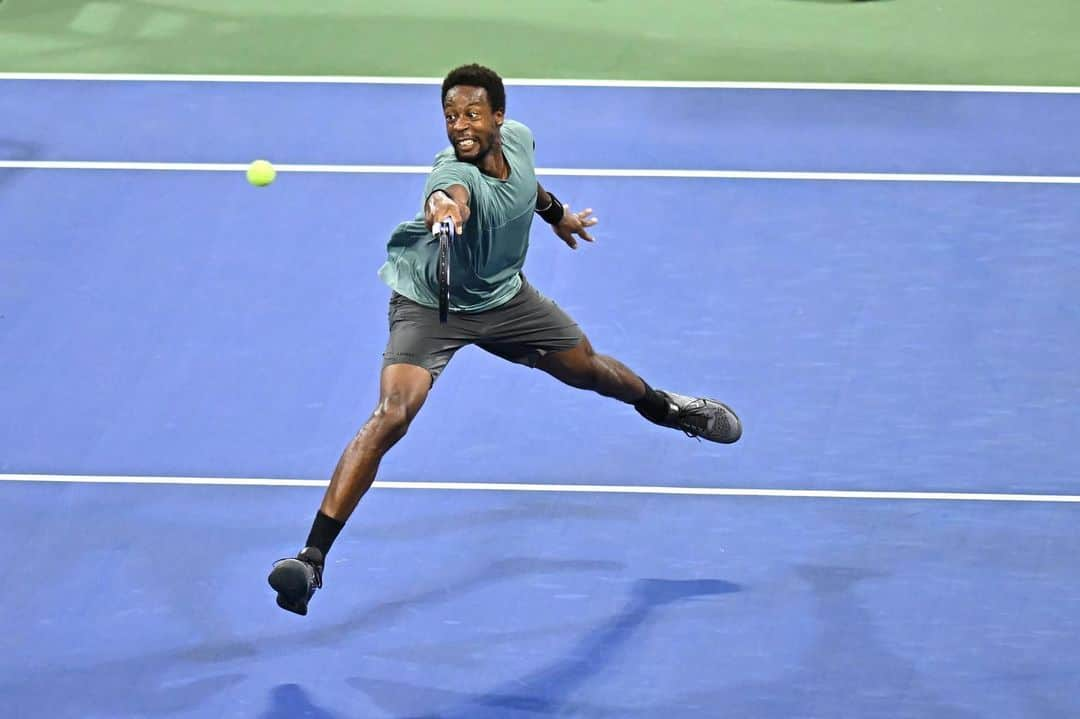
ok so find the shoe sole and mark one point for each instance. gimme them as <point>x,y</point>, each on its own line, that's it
<point>734,422</point>
<point>290,580</point>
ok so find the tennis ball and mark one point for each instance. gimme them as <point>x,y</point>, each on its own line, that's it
<point>261,173</point>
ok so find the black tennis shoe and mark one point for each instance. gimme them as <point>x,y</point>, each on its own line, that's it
<point>702,417</point>
<point>295,580</point>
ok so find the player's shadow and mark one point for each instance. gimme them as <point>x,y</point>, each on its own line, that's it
<point>538,510</point>
<point>113,689</point>
<point>16,150</point>
<point>847,652</point>
<point>288,701</point>
<point>498,571</point>
<point>164,678</point>
<point>546,691</point>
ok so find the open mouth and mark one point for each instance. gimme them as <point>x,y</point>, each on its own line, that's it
<point>467,144</point>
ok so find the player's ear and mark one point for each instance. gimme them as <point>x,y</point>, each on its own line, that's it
<point>499,115</point>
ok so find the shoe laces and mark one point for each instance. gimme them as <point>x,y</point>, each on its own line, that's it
<point>692,411</point>
<point>316,571</point>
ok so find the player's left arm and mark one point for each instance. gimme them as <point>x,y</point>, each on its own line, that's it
<point>564,223</point>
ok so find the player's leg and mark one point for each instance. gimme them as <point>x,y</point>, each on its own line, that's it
<point>584,368</point>
<point>416,353</point>
<point>533,330</point>
<point>402,391</point>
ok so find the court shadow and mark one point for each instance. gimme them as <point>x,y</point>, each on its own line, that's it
<point>139,36</point>
<point>375,616</point>
<point>511,568</point>
<point>289,701</point>
<point>163,687</point>
<point>144,689</point>
<point>18,150</point>
<point>465,521</point>
<point>19,10</point>
<point>847,652</point>
<point>547,691</point>
<point>14,150</point>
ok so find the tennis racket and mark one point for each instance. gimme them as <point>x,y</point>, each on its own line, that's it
<point>446,236</point>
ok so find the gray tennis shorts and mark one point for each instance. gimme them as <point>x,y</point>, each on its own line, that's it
<point>522,330</point>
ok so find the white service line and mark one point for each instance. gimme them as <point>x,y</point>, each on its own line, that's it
<point>554,172</point>
<point>577,488</point>
<point>207,167</point>
<point>543,82</point>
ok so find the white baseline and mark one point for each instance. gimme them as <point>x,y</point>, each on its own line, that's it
<point>544,82</point>
<point>577,488</point>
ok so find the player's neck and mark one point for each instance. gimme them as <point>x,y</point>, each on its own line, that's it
<point>494,163</point>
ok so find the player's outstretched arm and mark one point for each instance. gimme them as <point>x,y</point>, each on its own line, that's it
<point>453,202</point>
<point>564,223</point>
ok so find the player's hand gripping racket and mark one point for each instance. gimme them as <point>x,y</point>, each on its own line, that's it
<point>446,236</point>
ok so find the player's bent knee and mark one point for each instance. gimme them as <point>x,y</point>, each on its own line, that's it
<point>394,415</point>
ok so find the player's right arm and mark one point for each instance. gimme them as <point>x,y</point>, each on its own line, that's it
<point>452,202</point>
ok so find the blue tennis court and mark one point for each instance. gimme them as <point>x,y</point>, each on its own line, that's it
<point>184,357</point>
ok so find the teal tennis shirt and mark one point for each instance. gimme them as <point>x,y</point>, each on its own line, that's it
<point>486,259</point>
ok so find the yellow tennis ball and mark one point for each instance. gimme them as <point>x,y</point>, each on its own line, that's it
<point>261,173</point>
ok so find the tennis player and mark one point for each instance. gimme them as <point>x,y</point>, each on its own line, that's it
<point>485,183</point>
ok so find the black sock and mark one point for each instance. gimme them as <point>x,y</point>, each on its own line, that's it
<point>653,406</point>
<point>324,530</point>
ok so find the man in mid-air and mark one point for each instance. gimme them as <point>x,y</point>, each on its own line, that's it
<point>485,184</point>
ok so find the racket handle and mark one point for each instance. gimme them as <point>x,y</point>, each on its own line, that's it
<point>438,227</point>
<point>444,225</point>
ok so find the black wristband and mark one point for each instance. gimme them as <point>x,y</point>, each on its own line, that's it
<point>553,213</point>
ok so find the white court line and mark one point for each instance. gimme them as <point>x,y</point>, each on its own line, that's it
<point>578,488</point>
<point>544,82</point>
<point>209,167</point>
<point>554,172</point>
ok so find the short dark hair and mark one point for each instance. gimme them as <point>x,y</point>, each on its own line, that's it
<point>478,76</point>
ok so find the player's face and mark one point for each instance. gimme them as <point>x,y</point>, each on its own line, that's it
<point>471,126</point>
